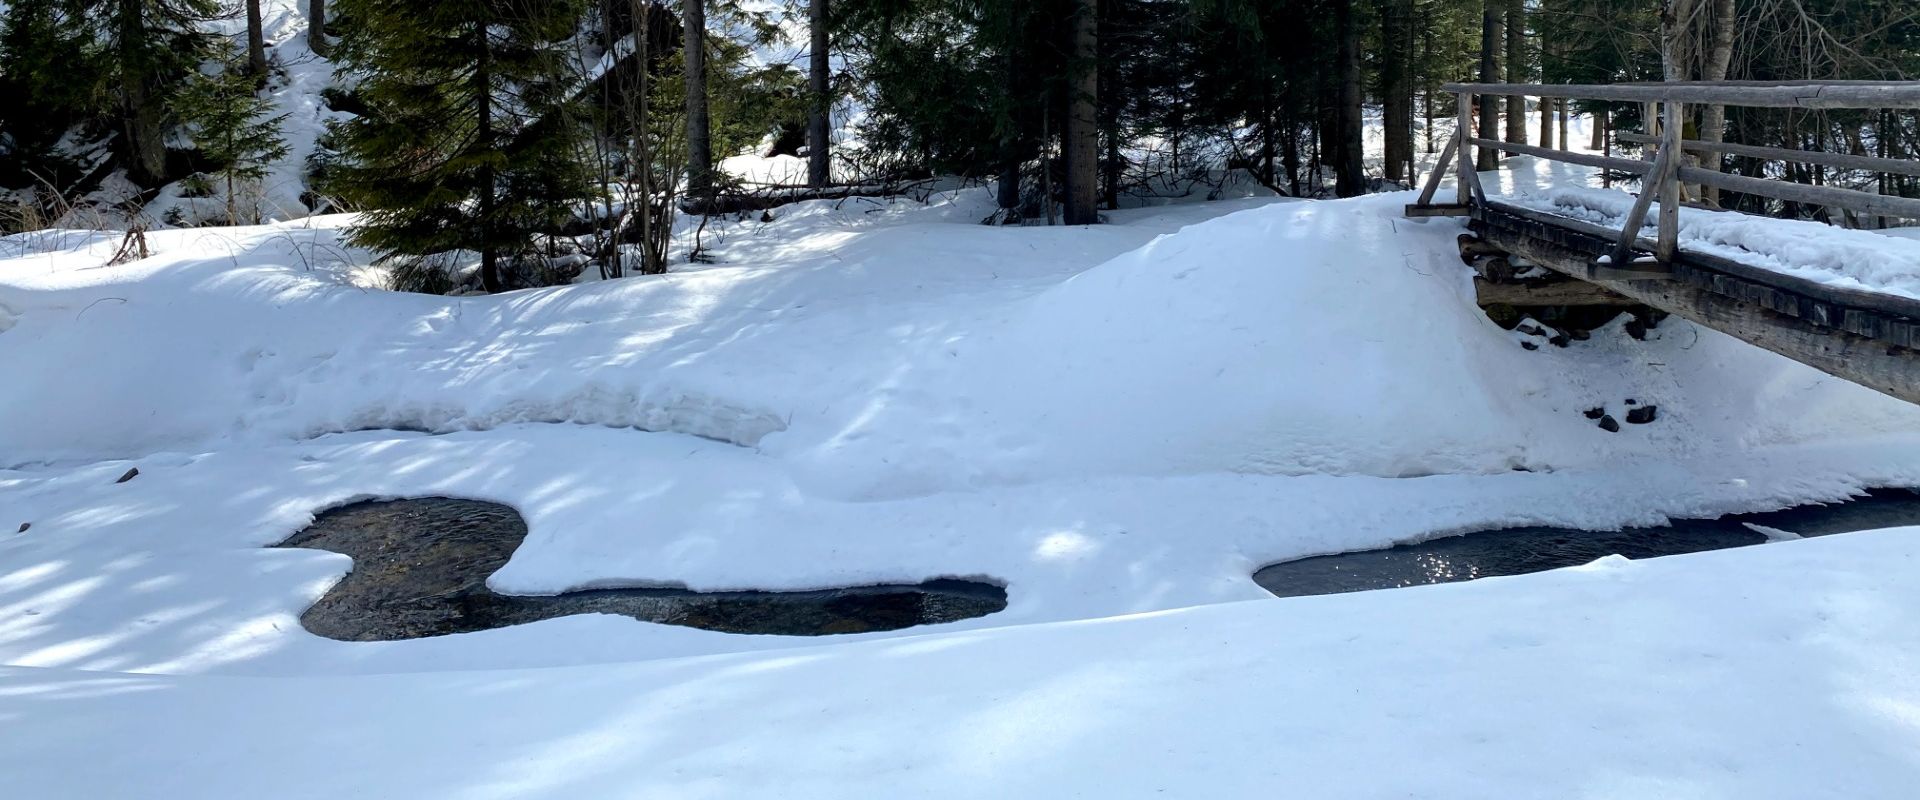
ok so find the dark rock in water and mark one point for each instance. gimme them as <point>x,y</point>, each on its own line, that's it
<point>130,475</point>
<point>1596,412</point>
<point>1517,551</point>
<point>1642,415</point>
<point>420,569</point>
<point>1609,424</point>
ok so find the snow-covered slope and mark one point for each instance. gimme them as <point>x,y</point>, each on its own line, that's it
<point>1111,420</point>
<point>1783,671</point>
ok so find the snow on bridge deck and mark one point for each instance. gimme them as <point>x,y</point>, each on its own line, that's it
<point>1846,302</point>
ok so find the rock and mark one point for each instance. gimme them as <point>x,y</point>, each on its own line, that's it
<point>1609,424</point>
<point>1596,412</point>
<point>24,526</point>
<point>1530,345</point>
<point>131,474</point>
<point>1642,415</point>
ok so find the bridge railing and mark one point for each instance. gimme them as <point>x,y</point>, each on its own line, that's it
<point>1664,171</point>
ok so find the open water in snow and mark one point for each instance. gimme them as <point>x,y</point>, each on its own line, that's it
<point>1517,551</point>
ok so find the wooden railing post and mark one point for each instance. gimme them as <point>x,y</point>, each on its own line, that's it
<point>1466,178</point>
<point>1666,166</point>
<point>1671,127</point>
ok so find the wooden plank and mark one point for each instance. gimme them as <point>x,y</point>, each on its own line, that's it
<point>1891,370</point>
<point>1439,171</point>
<point>1807,290</point>
<point>1834,196</point>
<point>1583,159</point>
<point>1668,243</point>
<point>1902,94</point>
<point>1554,293</point>
<point>1891,166</point>
<point>1661,172</point>
<point>1438,210</point>
<point>1467,181</point>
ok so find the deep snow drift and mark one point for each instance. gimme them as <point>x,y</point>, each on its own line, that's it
<point>1120,419</point>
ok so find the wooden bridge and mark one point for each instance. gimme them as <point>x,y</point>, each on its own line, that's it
<point>1870,338</point>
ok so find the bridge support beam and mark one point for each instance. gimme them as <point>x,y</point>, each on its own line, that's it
<point>1885,368</point>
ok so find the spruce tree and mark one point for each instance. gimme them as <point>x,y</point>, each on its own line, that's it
<point>148,50</point>
<point>229,123</point>
<point>46,79</point>
<point>466,118</point>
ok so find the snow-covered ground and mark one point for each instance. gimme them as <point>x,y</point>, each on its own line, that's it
<point>1119,423</point>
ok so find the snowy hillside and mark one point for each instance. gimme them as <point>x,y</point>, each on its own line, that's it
<point>1106,421</point>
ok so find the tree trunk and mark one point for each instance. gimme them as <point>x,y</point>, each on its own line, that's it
<point>1490,34</point>
<point>1082,134</point>
<point>256,41</point>
<point>1516,63</point>
<point>1396,91</point>
<point>317,28</point>
<point>483,138</point>
<point>699,138</point>
<point>1565,119</point>
<point>1349,174</point>
<point>141,115</point>
<point>1713,119</point>
<point>818,168</point>
<point>1110,102</point>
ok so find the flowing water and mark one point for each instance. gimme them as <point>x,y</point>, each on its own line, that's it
<point>1517,551</point>
<point>420,568</point>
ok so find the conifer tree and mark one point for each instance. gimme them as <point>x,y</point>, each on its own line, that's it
<point>46,76</point>
<point>466,138</point>
<point>229,122</point>
<point>148,50</point>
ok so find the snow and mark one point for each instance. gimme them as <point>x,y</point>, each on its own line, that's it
<point>1852,259</point>
<point>1780,671</point>
<point>1118,423</point>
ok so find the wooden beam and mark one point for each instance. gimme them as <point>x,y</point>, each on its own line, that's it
<point>1900,94</point>
<point>1439,171</point>
<point>1550,293</point>
<point>1438,210</point>
<point>1668,244</point>
<point>1629,235</point>
<point>1891,166</point>
<point>1584,159</point>
<point>1864,202</point>
<point>1888,369</point>
<point>1466,180</point>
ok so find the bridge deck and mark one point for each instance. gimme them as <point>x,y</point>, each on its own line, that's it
<point>1865,337</point>
<point>1868,337</point>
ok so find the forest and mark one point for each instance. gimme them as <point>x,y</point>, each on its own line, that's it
<point>501,127</point>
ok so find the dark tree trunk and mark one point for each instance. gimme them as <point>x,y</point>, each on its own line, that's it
<point>484,141</point>
<point>1110,104</point>
<point>256,41</point>
<point>1516,63</point>
<point>1396,91</point>
<point>317,28</point>
<point>1349,175</point>
<point>1082,132</point>
<point>1013,151</point>
<point>699,137</point>
<point>1546,122</point>
<point>142,117</point>
<point>818,167</point>
<point>1561,106</point>
<point>1489,73</point>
